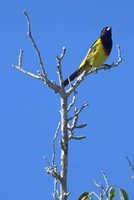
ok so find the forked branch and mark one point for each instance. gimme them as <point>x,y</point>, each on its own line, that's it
<point>41,75</point>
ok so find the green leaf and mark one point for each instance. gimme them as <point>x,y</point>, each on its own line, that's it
<point>123,194</point>
<point>111,193</point>
<point>85,196</point>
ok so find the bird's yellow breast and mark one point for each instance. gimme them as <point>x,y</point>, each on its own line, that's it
<point>95,57</point>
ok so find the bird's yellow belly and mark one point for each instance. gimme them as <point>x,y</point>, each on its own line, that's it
<point>95,57</point>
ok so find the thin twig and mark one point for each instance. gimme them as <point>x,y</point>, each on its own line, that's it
<point>20,58</point>
<point>99,185</point>
<point>77,112</point>
<point>19,66</point>
<point>75,118</point>
<point>83,125</point>
<point>46,160</point>
<point>74,123</point>
<point>76,137</point>
<point>72,102</point>
<point>59,69</point>
<point>82,107</point>
<point>131,166</point>
<point>27,73</point>
<point>41,75</point>
<point>107,185</point>
<point>106,179</point>
<point>53,144</point>
<point>76,84</point>
<point>29,32</point>
<point>102,189</point>
<point>53,172</point>
<point>114,64</point>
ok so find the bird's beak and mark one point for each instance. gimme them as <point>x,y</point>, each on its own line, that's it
<point>109,28</point>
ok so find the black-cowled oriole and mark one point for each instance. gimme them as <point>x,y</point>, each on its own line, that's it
<point>96,55</point>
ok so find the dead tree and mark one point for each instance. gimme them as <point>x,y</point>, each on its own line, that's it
<point>66,126</point>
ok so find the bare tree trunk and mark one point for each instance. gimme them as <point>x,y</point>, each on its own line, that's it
<point>64,149</point>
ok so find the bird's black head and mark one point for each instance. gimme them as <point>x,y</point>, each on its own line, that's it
<point>106,32</point>
<point>106,39</point>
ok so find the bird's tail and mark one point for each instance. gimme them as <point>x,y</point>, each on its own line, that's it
<point>71,77</point>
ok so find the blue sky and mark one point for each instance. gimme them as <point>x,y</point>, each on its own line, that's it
<point>29,111</point>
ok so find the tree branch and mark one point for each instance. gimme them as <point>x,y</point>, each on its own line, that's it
<point>77,112</point>
<point>83,125</point>
<point>74,123</point>
<point>131,166</point>
<point>76,84</point>
<point>19,66</point>
<point>53,144</point>
<point>94,70</point>
<point>106,180</point>
<point>72,102</point>
<point>104,191</point>
<point>43,75</point>
<point>59,69</point>
<point>53,172</point>
<point>29,33</point>
<point>76,137</point>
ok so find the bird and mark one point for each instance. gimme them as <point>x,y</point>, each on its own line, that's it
<point>96,55</point>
